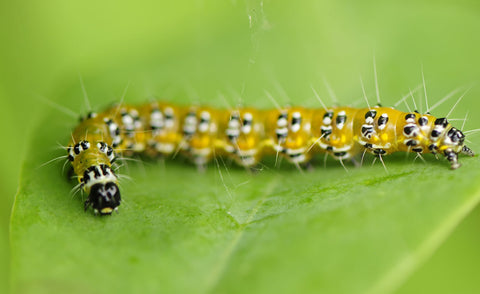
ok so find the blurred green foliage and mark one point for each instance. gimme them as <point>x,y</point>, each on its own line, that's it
<point>195,49</point>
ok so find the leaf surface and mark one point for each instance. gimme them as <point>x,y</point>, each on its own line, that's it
<point>229,231</point>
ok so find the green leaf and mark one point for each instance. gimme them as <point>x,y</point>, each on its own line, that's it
<point>229,231</point>
<point>226,230</point>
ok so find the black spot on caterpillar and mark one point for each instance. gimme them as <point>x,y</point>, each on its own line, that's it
<point>246,135</point>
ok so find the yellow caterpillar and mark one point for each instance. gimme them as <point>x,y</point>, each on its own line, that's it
<point>246,135</point>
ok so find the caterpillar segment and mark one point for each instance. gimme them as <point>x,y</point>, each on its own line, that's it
<point>243,136</point>
<point>162,129</point>
<point>334,129</point>
<point>289,134</point>
<point>246,135</point>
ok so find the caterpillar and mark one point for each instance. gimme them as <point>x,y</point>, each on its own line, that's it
<point>246,135</point>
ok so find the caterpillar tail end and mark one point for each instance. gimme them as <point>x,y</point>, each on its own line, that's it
<point>104,198</point>
<point>467,151</point>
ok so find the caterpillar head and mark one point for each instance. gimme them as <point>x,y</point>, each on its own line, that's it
<point>100,182</point>
<point>104,198</point>
<point>451,141</point>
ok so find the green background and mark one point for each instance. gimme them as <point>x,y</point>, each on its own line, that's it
<point>220,53</point>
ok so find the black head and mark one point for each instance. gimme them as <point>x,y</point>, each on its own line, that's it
<point>104,198</point>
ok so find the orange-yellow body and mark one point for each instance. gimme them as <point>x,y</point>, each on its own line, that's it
<point>246,135</point>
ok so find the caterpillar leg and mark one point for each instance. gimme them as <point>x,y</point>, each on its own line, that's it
<point>355,162</point>
<point>452,157</point>
<point>307,166</point>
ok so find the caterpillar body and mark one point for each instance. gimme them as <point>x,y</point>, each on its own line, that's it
<point>246,135</point>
